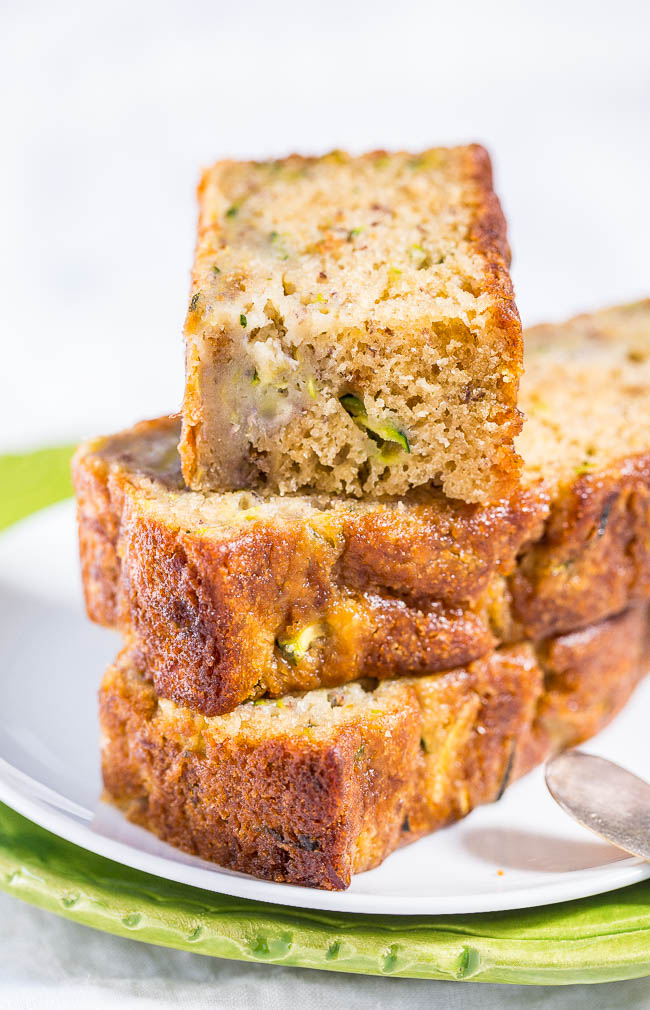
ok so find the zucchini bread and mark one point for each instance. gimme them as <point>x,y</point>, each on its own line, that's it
<point>236,595</point>
<point>231,596</point>
<point>586,396</point>
<point>311,788</point>
<point>352,328</point>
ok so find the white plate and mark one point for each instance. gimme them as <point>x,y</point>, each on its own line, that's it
<point>519,852</point>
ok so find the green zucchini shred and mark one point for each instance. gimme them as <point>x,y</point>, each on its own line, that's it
<point>384,431</point>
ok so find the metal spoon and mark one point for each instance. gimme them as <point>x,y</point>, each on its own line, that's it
<point>602,796</point>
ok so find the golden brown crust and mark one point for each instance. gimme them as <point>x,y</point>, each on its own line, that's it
<point>98,522</point>
<point>409,588</point>
<point>489,231</point>
<point>443,550</point>
<point>472,721</point>
<point>588,677</point>
<point>282,806</point>
<point>594,556</point>
<point>100,504</point>
<point>398,589</point>
<point>312,810</point>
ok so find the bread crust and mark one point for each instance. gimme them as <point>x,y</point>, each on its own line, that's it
<point>402,589</point>
<point>594,556</point>
<point>314,806</point>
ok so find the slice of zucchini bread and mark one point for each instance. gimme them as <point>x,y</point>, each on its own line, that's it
<point>312,788</point>
<point>233,596</point>
<point>586,396</point>
<point>352,327</point>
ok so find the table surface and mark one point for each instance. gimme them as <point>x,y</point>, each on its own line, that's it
<point>113,109</point>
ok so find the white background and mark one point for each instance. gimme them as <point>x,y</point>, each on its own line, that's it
<point>108,111</point>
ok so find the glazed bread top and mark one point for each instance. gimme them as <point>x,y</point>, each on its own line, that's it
<point>352,327</point>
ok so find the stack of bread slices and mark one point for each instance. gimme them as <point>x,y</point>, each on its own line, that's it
<point>393,553</point>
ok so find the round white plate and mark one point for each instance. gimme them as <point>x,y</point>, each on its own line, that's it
<point>519,852</point>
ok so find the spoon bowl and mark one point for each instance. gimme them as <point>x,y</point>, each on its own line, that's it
<point>603,797</point>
